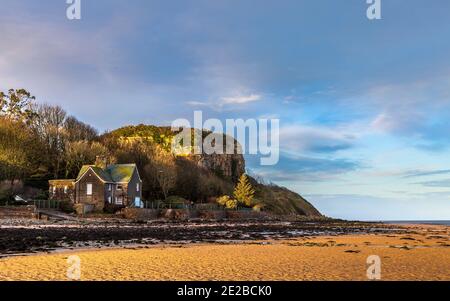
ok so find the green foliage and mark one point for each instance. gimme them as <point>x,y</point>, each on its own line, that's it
<point>244,191</point>
<point>17,105</point>
<point>19,150</point>
<point>161,136</point>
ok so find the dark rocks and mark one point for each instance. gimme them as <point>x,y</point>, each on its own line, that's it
<point>43,237</point>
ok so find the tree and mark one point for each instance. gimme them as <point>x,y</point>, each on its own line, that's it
<point>80,153</point>
<point>164,169</point>
<point>48,125</point>
<point>16,105</point>
<point>76,130</point>
<point>244,191</point>
<point>188,175</point>
<point>20,151</point>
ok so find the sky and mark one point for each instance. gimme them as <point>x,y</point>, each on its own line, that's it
<point>364,106</point>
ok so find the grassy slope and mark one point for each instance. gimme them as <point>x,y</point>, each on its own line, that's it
<point>282,201</point>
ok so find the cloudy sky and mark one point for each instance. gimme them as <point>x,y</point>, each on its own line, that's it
<point>364,105</point>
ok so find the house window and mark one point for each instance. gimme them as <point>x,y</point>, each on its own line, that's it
<point>89,189</point>
<point>119,187</point>
<point>66,189</point>
<point>109,187</point>
<point>119,201</point>
<point>109,200</point>
<point>54,189</point>
<point>137,187</point>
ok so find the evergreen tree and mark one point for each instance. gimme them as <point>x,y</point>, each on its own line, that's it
<point>244,191</point>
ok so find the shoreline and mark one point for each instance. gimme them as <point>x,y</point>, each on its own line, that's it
<point>419,254</point>
<point>48,237</point>
<point>181,244</point>
<point>418,223</point>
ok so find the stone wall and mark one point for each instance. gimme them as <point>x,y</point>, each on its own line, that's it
<point>186,214</point>
<point>140,214</point>
<point>25,212</point>
<point>97,199</point>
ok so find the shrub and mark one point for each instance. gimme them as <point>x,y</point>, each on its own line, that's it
<point>223,200</point>
<point>227,202</point>
<point>231,204</point>
<point>66,207</point>
<point>42,195</point>
<point>112,209</point>
<point>5,197</point>
<point>175,202</point>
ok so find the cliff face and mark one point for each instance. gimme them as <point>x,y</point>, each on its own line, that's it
<point>227,166</point>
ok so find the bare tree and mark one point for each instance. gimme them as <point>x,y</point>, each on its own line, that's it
<point>164,170</point>
<point>49,126</point>
<point>79,131</point>
<point>82,152</point>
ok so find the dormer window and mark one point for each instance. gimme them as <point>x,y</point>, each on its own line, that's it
<point>138,187</point>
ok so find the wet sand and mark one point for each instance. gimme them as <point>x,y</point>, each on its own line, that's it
<point>26,237</point>
<point>420,253</point>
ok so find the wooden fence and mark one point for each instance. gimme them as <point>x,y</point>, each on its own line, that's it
<point>47,204</point>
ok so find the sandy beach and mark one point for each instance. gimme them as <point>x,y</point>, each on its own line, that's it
<point>423,253</point>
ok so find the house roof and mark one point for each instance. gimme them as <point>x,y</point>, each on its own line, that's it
<point>121,173</point>
<point>103,175</point>
<point>118,173</point>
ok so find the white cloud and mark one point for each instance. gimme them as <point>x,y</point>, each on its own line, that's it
<point>241,99</point>
<point>226,102</point>
<point>302,138</point>
<point>197,103</point>
<point>406,108</point>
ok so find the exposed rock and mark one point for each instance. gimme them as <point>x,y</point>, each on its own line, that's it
<point>228,166</point>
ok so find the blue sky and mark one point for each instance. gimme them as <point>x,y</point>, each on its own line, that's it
<point>364,105</point>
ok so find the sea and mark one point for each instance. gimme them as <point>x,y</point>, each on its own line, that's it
<point>443,222</point>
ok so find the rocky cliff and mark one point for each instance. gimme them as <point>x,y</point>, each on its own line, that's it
<point>227,166</point>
